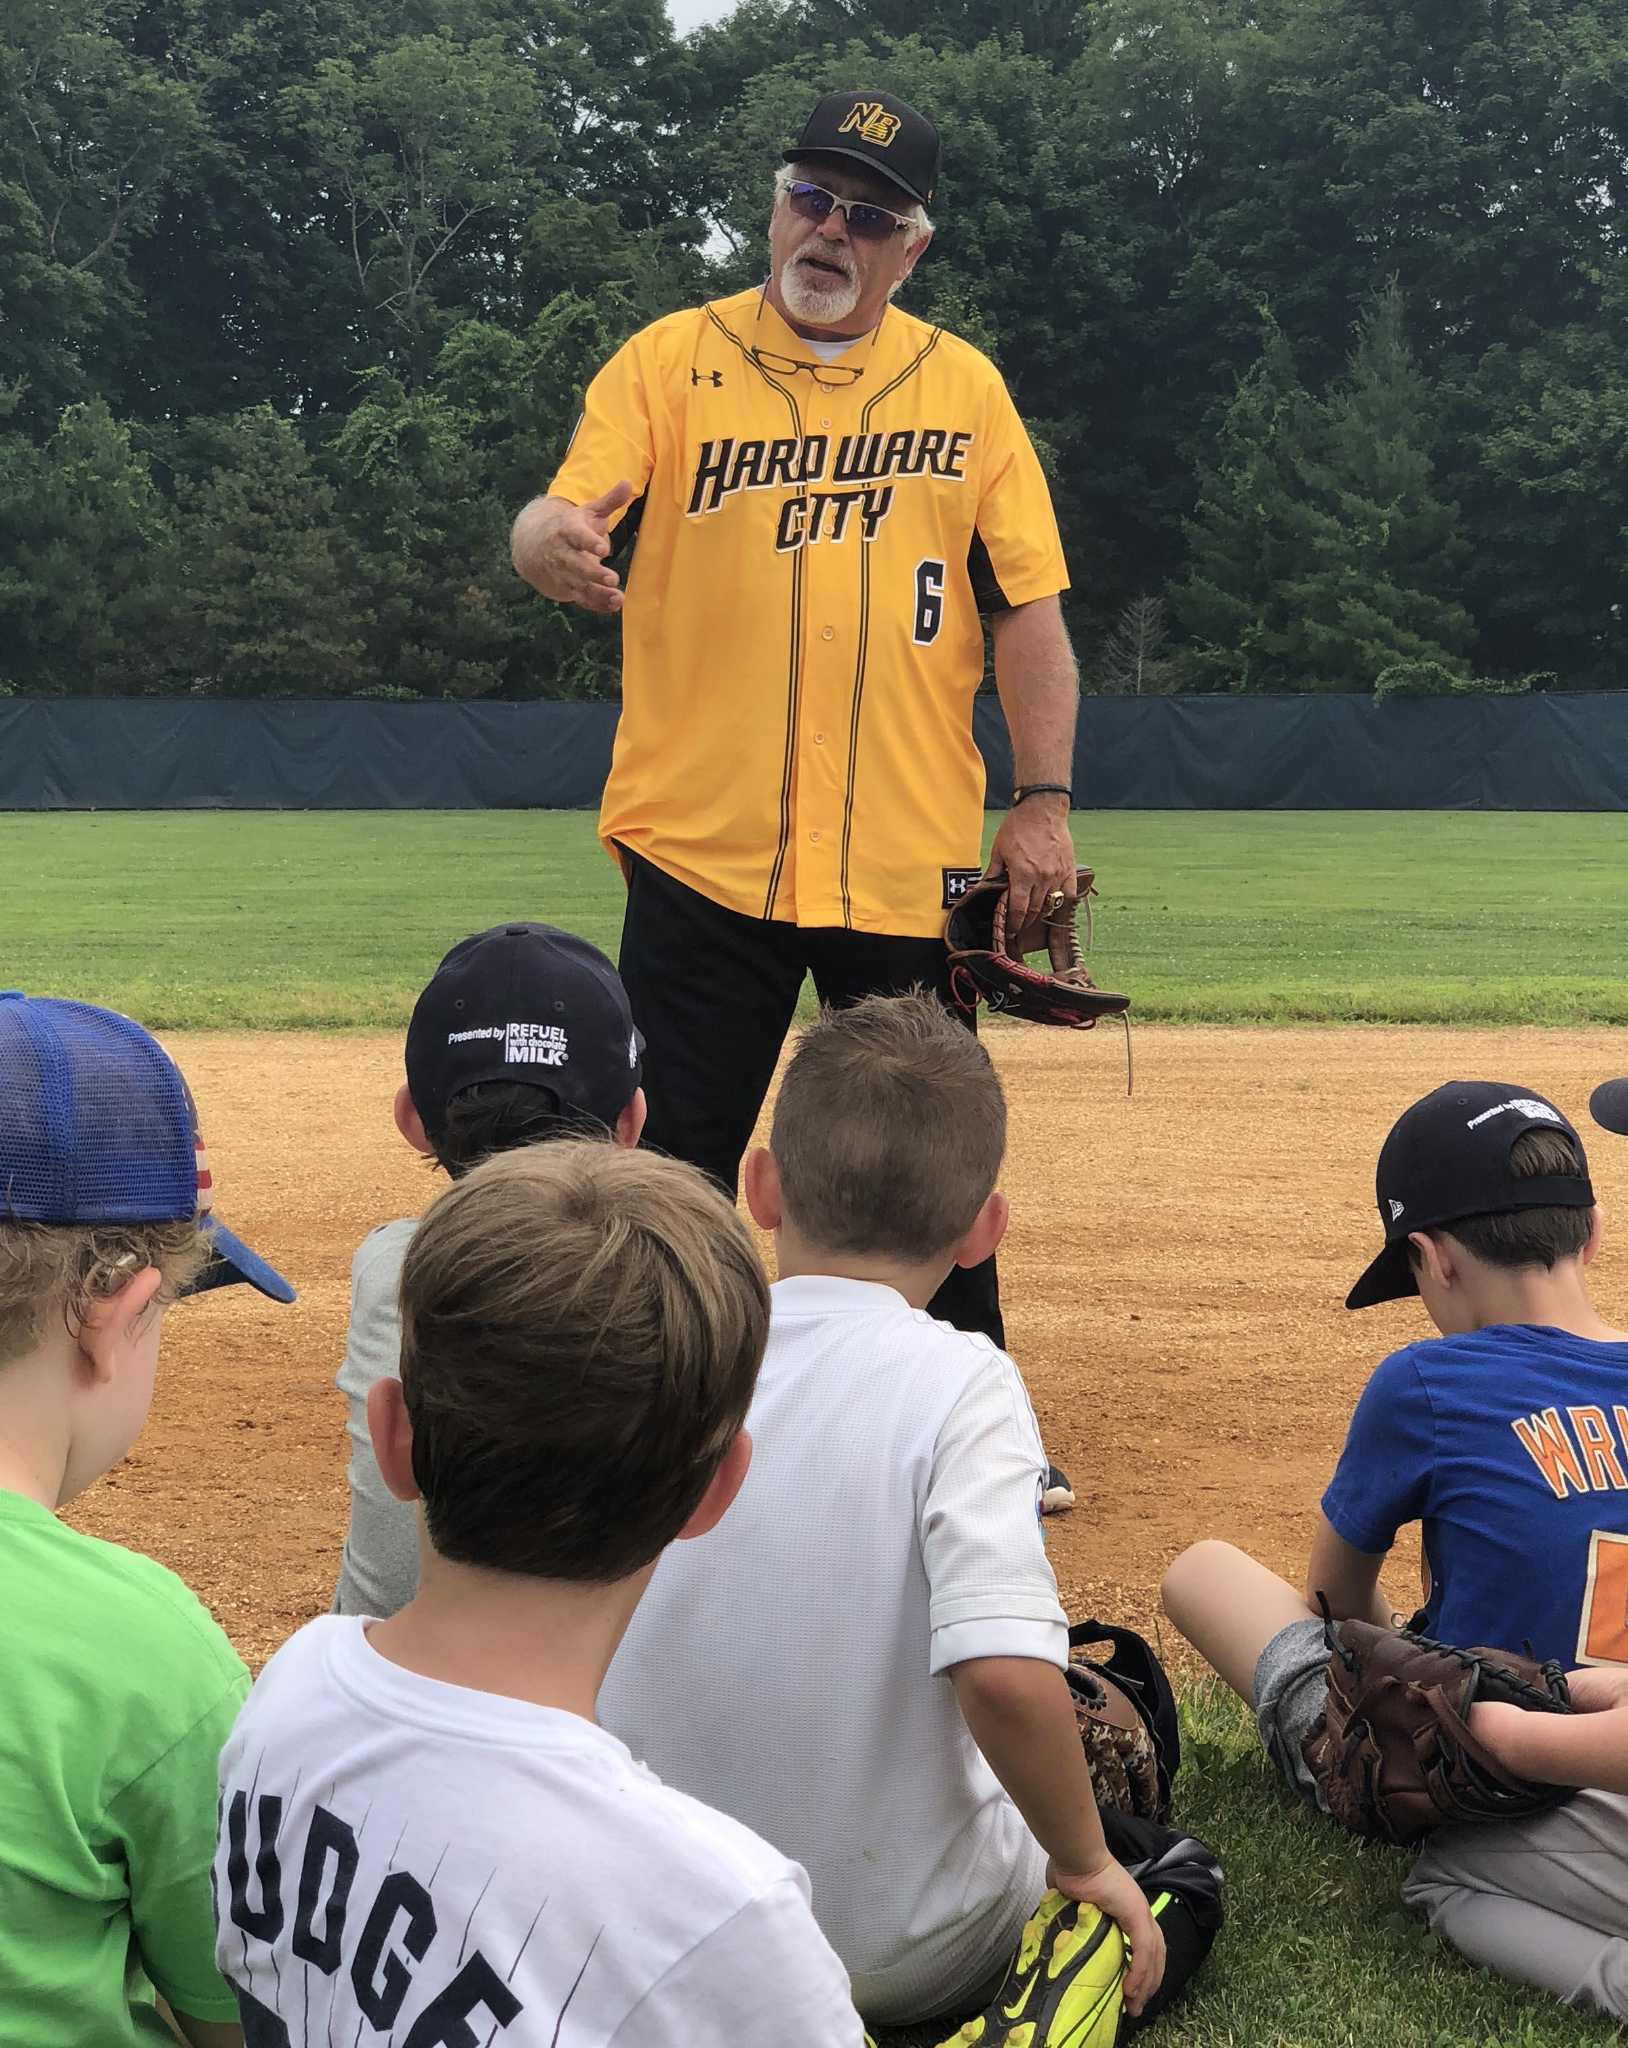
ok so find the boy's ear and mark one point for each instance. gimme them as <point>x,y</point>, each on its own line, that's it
<point>1435,1256</point>
<point>106,1324</point>
<point>719,1496</point>
<point>1596,1231</point>
<point>410,1123</point>
<point>761,1180</point>
<point>988,1228</point>
<point>631,1122</point>
<point>391,1429</point>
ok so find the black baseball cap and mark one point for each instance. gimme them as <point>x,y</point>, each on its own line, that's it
<point>885,134</point>
<point>1448,1158</point>
<point>524,1002</point>
<point>1608,1106</point>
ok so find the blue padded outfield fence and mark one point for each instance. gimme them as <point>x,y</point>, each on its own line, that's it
<point>1557,752</point>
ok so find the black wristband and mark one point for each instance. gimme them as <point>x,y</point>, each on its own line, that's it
<point>1042,789</point>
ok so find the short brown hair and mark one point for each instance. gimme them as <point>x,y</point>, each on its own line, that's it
<point>1529,1237</point>
<point>581,1332</point>
<point>889,1129</point>
<point>499,1116</point>
<point>49,1270</point>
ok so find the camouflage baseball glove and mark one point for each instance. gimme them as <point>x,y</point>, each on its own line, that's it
<point>1126,1715</point>
<point>989,964</point>
<point>1392,1751</point>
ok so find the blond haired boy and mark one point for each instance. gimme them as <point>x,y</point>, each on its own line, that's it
<point>425,1834</point>
<point>866,1663</point>
<point>116,1688</point>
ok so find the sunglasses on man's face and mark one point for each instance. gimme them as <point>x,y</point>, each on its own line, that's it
<point>865,222</point>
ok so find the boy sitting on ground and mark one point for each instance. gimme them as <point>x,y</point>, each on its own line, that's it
<point>116,1687</point>
<point>866,1664</point>
<point>1507,1438</point>
<point>523,1034</point>
<point>424,1832</point>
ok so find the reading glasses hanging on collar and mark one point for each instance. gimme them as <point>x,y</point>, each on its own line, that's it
<point>832,375</point>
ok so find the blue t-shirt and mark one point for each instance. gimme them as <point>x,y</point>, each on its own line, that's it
<point>1510,1445</point>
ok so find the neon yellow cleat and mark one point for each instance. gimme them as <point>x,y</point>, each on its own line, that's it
<point>1063,1989</point>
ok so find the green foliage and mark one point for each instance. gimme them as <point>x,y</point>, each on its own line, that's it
<point>1321,554</point>
<point>267,608</point>
<point>419,145</point>
<point>96,134</point>
<point>413,231</point>
<point>1415,679</point>
<point>86,560</point>
<point>1134,659</point>
<point>1431,679</point>
<point>1376,548</point>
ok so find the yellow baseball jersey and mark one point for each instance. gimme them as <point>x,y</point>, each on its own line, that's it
<point>801,637</point>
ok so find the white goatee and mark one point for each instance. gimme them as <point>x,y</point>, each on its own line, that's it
<point>817,296</point>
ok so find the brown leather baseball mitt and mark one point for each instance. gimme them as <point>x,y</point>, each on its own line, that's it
<point>988,963</point>
<point>1393,1752</point>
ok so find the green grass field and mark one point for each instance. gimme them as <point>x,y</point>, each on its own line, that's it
<point>333,919</point>
<point>1318,1951</point>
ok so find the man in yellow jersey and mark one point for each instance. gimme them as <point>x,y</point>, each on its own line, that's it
<point>824,496</point>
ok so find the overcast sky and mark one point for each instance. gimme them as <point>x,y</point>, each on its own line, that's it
<point>688,14</point>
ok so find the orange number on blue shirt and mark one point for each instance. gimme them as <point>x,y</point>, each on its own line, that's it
<point>1603,1635</point>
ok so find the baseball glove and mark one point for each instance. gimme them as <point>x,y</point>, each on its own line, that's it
<point>988,964</point>
<point>1392,1751</point>
<point>1126,1717</point>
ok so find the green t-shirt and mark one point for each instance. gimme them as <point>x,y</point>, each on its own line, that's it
<point>117,1692</point>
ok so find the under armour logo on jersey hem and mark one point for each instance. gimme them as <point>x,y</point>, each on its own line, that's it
<point>713,377</point>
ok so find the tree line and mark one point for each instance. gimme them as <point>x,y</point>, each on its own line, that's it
<point>1317,311</point>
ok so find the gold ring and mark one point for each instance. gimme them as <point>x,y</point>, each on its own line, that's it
<point>1056,900</point>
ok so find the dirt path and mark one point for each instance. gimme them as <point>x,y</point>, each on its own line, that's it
<point>1172,1281</point>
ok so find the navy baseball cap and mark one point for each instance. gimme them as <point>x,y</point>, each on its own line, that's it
<point>1608,1106</point>
<point>97,1126</point>
<point>885,134</point>
<point>524,1002</point>
<point>1448,1158</point>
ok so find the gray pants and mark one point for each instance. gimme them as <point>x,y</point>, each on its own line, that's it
<point>1542,1900</point>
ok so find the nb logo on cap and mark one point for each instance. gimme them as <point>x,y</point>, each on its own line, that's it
<point>869,120</point>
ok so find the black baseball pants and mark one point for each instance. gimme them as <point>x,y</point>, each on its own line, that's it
<point>714,993</point>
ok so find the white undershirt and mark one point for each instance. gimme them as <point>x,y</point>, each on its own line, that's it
<point>828,351</point>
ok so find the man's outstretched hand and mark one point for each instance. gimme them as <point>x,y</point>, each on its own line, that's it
<point>560,549</point>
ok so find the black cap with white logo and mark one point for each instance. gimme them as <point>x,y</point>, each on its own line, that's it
<point>529,1003</point>
<point>1608,1106</point>
<point>884,134</point>
<point>1448,1158</point>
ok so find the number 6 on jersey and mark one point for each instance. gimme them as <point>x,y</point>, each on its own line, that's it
<point>929,602</point>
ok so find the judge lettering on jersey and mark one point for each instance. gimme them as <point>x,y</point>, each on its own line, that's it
<point>815,499</point>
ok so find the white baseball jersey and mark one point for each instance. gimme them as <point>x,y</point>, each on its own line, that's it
<point>421,1863</point>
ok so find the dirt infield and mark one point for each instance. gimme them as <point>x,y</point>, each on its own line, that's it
<point>1172,1281</point>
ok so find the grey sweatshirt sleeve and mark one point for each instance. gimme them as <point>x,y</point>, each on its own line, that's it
<point>379,1571</point>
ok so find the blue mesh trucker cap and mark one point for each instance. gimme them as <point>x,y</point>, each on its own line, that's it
<point>97,1126</point>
